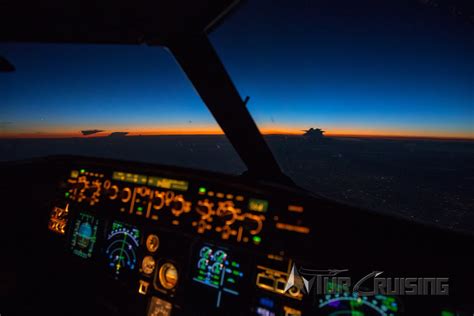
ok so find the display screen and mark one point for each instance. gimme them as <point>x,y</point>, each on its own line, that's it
<point>121,247</point>
<point>350,303</point>
<point>217,269</point>
<point>159,307</point>
<point>84,235</point>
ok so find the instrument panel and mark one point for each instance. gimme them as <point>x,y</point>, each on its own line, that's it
<point>199,208</point>
<point>189,246</point>
<point>185,245</point>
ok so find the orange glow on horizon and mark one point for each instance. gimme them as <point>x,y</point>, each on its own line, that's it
<point>204,130</point>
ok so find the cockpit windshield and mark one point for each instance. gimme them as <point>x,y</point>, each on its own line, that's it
<point>367,102</point>
<point>396,69</point>
<point>122,102</point>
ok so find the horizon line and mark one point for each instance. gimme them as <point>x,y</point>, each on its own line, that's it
<point>328,135</point>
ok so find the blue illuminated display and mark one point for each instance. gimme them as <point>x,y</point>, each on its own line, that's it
<point>84,235</point>
<point>216,269</point>
<point>265,301</point>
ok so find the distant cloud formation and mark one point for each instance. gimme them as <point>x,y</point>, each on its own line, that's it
<point>95,131</point>
<point>91,131</point>
<point>118,134</point>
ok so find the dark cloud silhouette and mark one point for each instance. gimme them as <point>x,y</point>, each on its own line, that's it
<point>118,134</point>
<point>91,132</point>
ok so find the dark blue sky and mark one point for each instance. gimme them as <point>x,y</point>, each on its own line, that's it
<point>350,67</point>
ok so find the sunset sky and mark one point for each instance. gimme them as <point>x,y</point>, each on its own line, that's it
<point>363,68</point>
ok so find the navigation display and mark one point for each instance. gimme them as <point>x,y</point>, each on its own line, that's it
<point>121,247</point>
<point>84,235</point>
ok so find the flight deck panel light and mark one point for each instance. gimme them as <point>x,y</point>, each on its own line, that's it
<point>158,306</point>
<point>258,205</point>
<point>148,265</point>
<point>291,311</point>
<point>135,178</point>
<point>118,176</point>
<point>166,183</point>
<point>257,239</point>
<point>168,276</point>
<point>58,219</point>
<point>295,208</point>
<point>159,182</point>
<point>293,228</point>
<point>152,243</point>
<point>143,287</point>
<point>129,177</point>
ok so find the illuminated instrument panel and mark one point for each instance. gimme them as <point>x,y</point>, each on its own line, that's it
<point>226,215</point>
<point>192,246</point>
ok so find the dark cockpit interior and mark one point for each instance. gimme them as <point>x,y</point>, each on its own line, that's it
<point>95,236</point>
